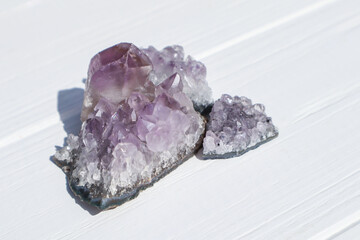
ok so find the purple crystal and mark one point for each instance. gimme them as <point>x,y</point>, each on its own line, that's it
<point>133,131</point>
<point>171,60</point>
<point>235,126</point>
<point>114,74</point>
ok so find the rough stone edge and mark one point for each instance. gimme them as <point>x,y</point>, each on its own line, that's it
<point>113,202</point>
<point>237,154</point>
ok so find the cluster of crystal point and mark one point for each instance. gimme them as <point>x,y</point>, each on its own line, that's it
<point>133,132</point>
<point>236,125</point>
<point>141,119</point>
<point>122,69</point>
<point>171,60</point>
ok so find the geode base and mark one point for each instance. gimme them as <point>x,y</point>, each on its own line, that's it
<point>237,153</point>
<point>93,195</point>
<point>112,202</point>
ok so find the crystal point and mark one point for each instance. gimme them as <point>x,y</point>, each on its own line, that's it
<point>172,60</point>
<point>114,74</point>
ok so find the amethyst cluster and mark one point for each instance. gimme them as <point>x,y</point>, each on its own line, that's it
<point>142,118</point>
<point>235,126</point>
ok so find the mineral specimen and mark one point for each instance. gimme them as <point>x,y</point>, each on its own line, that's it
<point>235,126</point>
<point>141,119</point>
<point>133,131</point>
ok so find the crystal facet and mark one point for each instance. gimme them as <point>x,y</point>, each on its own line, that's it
<point>114,74</point>
<point>235,126</point>
<point>171,60</point>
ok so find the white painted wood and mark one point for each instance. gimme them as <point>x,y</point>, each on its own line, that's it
<point>299,58</point>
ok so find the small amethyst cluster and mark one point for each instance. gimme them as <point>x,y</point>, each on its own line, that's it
<point>236,125</point>
<point>142,118</point>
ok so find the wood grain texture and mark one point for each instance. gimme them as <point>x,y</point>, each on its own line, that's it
<point>299,58</point>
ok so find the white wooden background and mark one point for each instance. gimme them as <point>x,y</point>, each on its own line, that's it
<point>298,57</point>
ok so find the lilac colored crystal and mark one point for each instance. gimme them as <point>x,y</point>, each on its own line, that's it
<point>114,74</point>
<point>235,126</point>
<point>133,131</point>
<point>171,60</point>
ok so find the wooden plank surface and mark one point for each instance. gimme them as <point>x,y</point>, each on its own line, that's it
<point>299,58</point>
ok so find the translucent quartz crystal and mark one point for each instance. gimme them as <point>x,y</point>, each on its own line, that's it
<point>119,70</point>
<point>133,131</point>
<point>171,60</point>
<point>114,74</point>
<point>235,126</point>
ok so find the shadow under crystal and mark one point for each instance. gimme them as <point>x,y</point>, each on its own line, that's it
<point>69,104</point>
<point>69,107</point>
